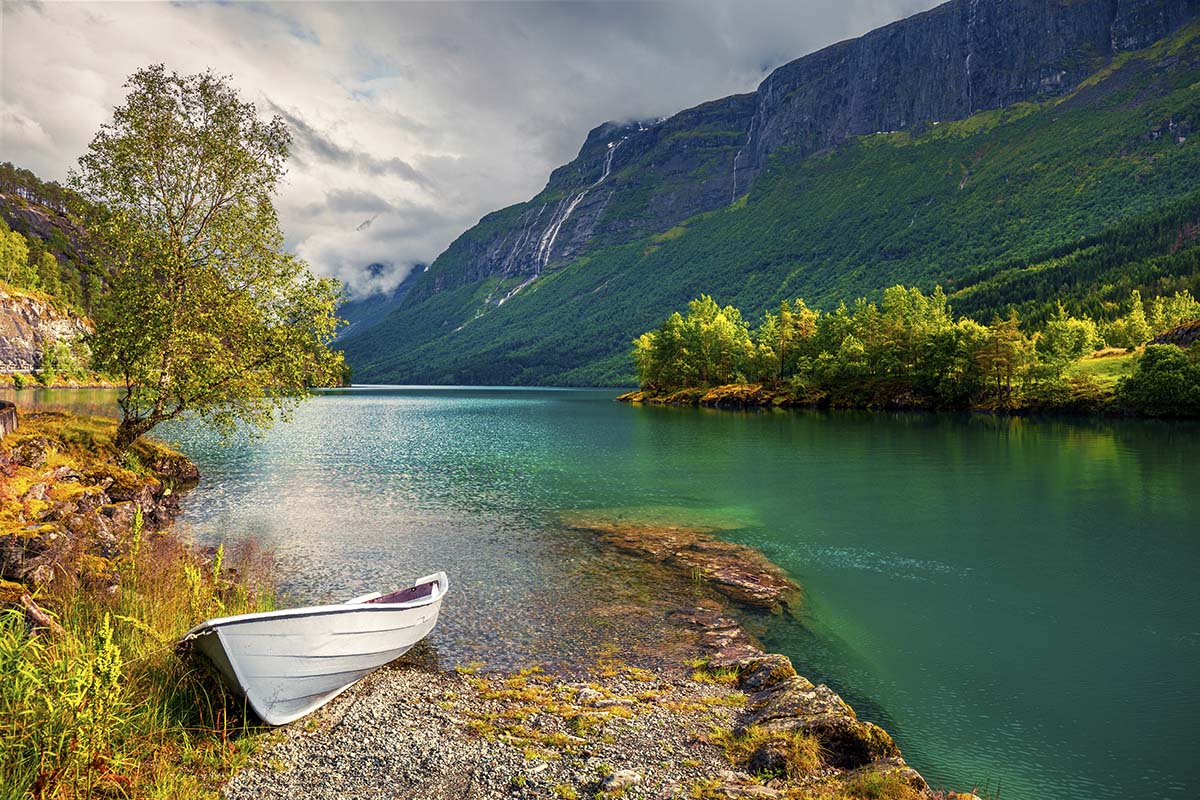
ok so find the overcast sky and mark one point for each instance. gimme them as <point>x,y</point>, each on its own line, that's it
<point>419,116</point>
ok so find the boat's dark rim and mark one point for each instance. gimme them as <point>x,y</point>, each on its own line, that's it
<point>442,583</point>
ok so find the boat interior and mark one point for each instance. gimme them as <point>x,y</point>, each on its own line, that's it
<point>407,595</point>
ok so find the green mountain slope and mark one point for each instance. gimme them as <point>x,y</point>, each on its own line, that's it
<point>50,258</point>
<point>980,206</point>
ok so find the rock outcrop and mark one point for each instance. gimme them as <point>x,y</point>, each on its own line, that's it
<point>69,505</point>
<point>780,702</point>
<point>740,573</point>
<point>947,63</point>
<point>28,325</point>
<point>1184,335</point>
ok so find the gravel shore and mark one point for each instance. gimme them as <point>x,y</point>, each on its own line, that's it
<point>707,714</point>
<point>410,732</point>
<point>722,726</point>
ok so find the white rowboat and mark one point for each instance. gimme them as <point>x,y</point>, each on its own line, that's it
<point>289,663</point>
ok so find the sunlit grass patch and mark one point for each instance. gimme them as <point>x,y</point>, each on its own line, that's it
<point>1106,367</point>
<point>793,755</point>
<point>107,707</point>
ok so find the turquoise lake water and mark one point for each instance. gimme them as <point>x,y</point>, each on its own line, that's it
<point>1016,601</point>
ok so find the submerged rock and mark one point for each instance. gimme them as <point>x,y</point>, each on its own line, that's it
<point>736,571</point>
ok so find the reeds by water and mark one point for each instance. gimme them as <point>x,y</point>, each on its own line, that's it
<point>109,708</point>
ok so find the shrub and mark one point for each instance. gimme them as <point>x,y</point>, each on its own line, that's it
<point>1166,383</point>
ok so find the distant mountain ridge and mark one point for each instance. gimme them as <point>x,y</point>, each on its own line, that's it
<point>360,313</point>
<point>654,182</point>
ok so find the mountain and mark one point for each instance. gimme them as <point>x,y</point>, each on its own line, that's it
<point>972,138</point>
<point>46,216</point>
<point>361,313</point>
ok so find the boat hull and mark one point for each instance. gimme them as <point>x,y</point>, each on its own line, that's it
<point>289,663</point>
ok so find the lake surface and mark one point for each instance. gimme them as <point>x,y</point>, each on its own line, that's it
<point>1014,600</point>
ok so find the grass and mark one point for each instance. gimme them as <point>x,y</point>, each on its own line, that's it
<point>878,786</point>
<point>799,753</point>
<point>1106,367</point>
<point>863,786</point>
<point>704,672</point>
<point>108,708</point>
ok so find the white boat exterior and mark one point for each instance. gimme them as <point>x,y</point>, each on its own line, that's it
<point>289,663</point>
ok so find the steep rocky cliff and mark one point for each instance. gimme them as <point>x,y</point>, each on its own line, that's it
<point>628,180</point>
<point>28,325</point>
<point>930,150</point>
<point>945,64</point>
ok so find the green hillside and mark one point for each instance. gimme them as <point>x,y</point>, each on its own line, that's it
<point>1081,198</point>
<point>41,241</point>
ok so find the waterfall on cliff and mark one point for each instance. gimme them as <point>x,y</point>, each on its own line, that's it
<point>546,244</point>
<point>972,15</point>
<point>738,155</point>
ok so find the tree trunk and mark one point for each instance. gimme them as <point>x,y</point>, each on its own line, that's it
<point>130,430</point>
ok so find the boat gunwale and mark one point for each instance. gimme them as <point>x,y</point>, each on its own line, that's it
<point>212,625</point>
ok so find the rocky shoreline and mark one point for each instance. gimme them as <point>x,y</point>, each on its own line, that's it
<point>725,727</point>
<point>731,721</point>
<point>752,396</point>
<point>67,509</point>
<point>714,715</point>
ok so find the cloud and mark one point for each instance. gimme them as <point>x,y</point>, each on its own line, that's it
<point>316,145</point>
<point>425,116</point>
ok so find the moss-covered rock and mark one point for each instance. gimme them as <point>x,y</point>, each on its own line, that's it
<point>69,499</point>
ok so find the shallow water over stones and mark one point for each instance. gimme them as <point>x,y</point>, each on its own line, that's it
<point>1013,600</point>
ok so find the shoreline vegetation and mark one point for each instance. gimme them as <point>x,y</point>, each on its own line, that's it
<point>36,380</point>
<point>910,353</point>
<point>99,585</point>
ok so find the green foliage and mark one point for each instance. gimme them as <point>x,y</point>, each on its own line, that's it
<point>1132,329</point>
<point>1070,200</point>
<point>15,268</point>
<point>45,215</point>
<point>107,708</point>
<point>206,314</point>
<point>1168,312</point>
<point>1166,383</point>
<point>63,360</point>
<point>908,350</point>
<point>1155,253</point>
<point>708,347</point>
<point>1066,339</point>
